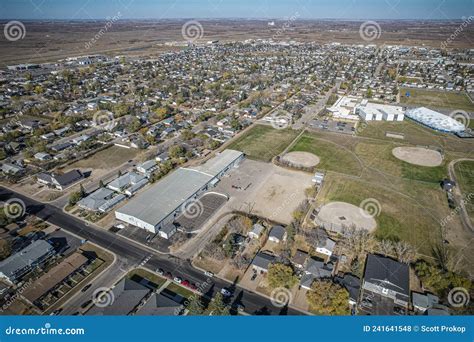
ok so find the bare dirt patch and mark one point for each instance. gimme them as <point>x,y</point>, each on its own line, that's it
<point>418,156</point>
<point>346,214</point>
<point>303,159</point>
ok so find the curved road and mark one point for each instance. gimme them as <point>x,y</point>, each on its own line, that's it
<point>145,257</point>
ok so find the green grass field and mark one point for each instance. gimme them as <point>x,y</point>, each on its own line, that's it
<point>400,218</point>
<point>378,155</point>
<point>416,134</point>
<point>333,157</point>
<point>465,176</point>
<point>436,99</point>
<point>263,142</point>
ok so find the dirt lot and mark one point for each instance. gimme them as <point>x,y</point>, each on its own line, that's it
<point>265,189</point>
<point>418,156</point>
<point>304,159</point>
<point>341,213</point>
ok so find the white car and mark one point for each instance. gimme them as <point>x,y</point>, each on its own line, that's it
<point>226,292</point>
<point>178,280</point>
<point>209,274</point>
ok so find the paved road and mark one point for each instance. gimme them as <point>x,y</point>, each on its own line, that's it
<point>140,255</point>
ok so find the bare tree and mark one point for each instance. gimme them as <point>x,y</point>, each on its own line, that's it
<point>385,247</point>
<point>405,252</point>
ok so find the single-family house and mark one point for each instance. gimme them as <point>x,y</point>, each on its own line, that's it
<point>315,269</point>
<point>128,183</point>
<point>42,156</point>
<point>262,261</point>
<point>326,246</point>
<point>277,234</point>
<point>299,259</point>
<point>256,231</point>
<point>60,182</point>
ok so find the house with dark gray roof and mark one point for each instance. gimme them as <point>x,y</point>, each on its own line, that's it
<point>17,265</point>
<point>277,234</point>
<point>165,303</point>
<point>352,284</point>
<point>315,269</point>
<point>60,182</point>
<point>262,261</point>
<point>127,295</point>
<point>387,278</point>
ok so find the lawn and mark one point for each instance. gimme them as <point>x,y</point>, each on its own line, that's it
<point>436,99</point>
<point>140,273</point>
<point>333,157</point>
<point>401,217</point>
<point>378,155</point>
<point>465,176</point>
<point>416,134</point>
<point>106,159</point>
<point>263,142</point>
<point>180,290</point>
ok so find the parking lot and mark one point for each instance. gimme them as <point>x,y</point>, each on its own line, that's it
<point>332,126</point>
<point>374,304</point>
<point>198,212</point>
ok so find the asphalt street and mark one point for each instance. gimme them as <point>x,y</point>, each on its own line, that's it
<point>141,256</point>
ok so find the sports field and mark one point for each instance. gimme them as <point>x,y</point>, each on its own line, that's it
<point>436,99</point>
<point>403,216</point>
<point>263,142</point>
<point>333,156</point>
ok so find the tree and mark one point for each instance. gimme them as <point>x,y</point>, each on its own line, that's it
<point>281,275</point>
<point>176,151</point>
<point>195,306</point>
<point>82,191</point>
<point>327,298</point>
<point>217,307</point>
<point>74,198</point>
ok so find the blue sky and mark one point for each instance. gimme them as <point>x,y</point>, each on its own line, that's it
<point>160,9</point>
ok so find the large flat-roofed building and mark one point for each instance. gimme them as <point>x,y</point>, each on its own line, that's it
<point>435,120</point>
<point>159,205</point>
<point>379,112</point>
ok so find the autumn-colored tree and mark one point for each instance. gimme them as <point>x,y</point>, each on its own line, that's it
<point>281,275</point>
<point>327,298</point>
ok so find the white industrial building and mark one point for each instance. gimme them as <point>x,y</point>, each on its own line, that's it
<point>354,108</point>
<point>158,206</point>
<point>435,120</point>
<point>369,111</point>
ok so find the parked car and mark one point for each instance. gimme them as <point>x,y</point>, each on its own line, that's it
<point>209,274</point>
<point>56,312</point>
<point>160,271</point>
<point>178,280</point>
<point>185,283</point>
<point>226,293</point>
<point>85,304</point>
<point>85,288</point>
<point>169,275</point>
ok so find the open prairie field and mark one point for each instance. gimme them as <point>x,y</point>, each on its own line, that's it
<point>47,41</point>
<point>263,142</point>
<point>436,99</point>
